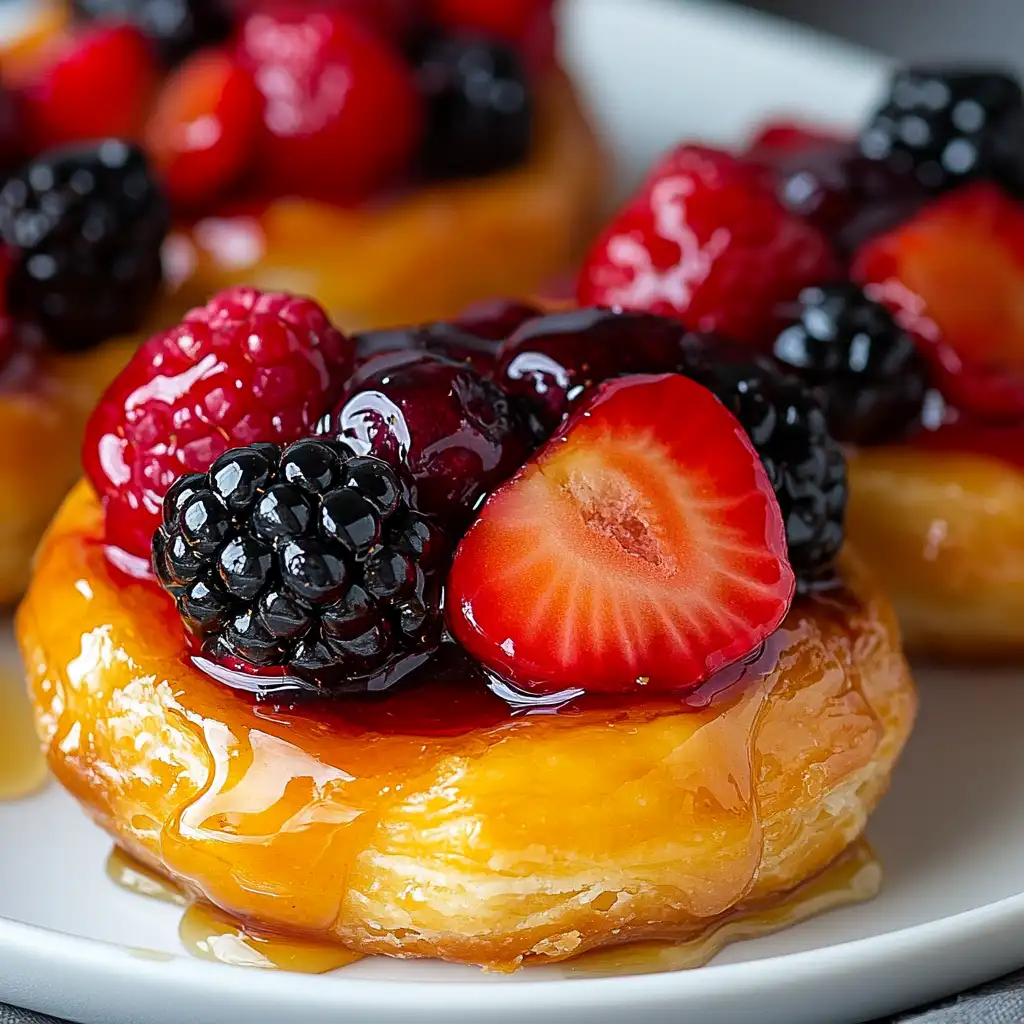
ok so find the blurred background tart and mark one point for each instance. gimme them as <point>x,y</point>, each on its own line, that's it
<point>338,149</point>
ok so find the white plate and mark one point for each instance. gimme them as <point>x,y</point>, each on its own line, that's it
<point>950,835</point>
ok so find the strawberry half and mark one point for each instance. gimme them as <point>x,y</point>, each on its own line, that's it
<point>642,547</point>
<point>954,277</point>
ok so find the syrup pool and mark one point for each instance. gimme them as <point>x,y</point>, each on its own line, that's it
<point>22,766</point>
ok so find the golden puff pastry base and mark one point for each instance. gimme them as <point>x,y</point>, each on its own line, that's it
<point>532,840</point>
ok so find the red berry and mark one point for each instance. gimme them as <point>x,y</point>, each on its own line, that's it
<point>98,84</point>
<point>341,115</point>
<point>707,241</point>
<point>202,133</point>
<point>249,366</point>
<point>642,548</point>
<point>528,25</point>
<point>776,138</point>
<point>392,19</point>
<point>954,277</point>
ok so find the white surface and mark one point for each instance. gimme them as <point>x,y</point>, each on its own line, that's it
<point>950,835</point>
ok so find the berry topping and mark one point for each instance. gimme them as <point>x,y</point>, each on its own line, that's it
<point>203,132</point>
<point>175,27</point>
<point>98,84</point>
<point>479,113</point>
<point>806,467</point>
<point>954,275</point>
<point>948,126</point>
<point>707,241</point>
<point>85,226</point>
<point>442,338</point>
<point>496,319</point>
<point>454,433</point>
<point>551,361</point>
<point>308,561</point>
<point>249,366</point>
<point>641,549</point>
<point>866,370</point>
<point>12,132</point>
<point>341,114</point>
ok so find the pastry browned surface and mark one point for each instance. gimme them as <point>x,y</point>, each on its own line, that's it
<point>944,533</point>
<point>531,839</point>
<point>428,254</point>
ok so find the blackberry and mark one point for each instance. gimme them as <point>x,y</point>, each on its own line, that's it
<point>85,225</point>
<point>479,107</point>
<point>175,27</point>
<point>806,466</point>
<point>948,126</point>
<point>865,368</point>
<point>307,563</point>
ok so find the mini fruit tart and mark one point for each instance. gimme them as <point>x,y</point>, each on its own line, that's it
<point>910,331</point>
<point>496,641</point>
<point>338,149</point>
<point>81,229</point>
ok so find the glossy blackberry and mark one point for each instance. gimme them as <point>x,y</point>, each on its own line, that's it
<point>479,107</point>
<point>948,126</point>
<point>176,27</point>
<point>866,369</point>
<point>85,225</point>
<point>307,563</point>
<point>806,466</point>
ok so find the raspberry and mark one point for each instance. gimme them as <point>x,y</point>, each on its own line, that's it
<point>249,366</point>
<point>706,240</point>
<point>341,113</point>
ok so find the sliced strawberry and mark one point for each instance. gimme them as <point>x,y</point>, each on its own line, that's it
<point>98,83</point>
<point>204,129</point>
<point>706,240</point>
<point>954,276</point>
<point>642,547</point>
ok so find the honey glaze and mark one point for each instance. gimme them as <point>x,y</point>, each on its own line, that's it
<point>22,765</point>
<point>854,877</point>
<point>209,934</point>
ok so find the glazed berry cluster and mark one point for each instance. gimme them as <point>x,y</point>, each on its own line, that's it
<point>340,99</point>
<point>328,512</point>
<point>884,271</point>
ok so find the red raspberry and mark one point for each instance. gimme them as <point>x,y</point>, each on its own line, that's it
<point>707,241</point>
<point>98,84</point>
<point>249,366</point>
<point>341,111</point>
<point>203,132</point>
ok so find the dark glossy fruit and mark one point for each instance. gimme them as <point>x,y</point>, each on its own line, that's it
<point>866,369</point>
<point>639,551</point>
<point>248,366</point>
<point>175,27</point>
<point>551,361</point>
<point>947,126</point>
<point>479,108</point>
<point>85,224</point>
<point>496,319</point>
<point>307,563</point>
<point>787,426</point>
<point>455,433</point>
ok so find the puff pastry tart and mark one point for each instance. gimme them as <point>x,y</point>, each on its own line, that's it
<point>497,640</point>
